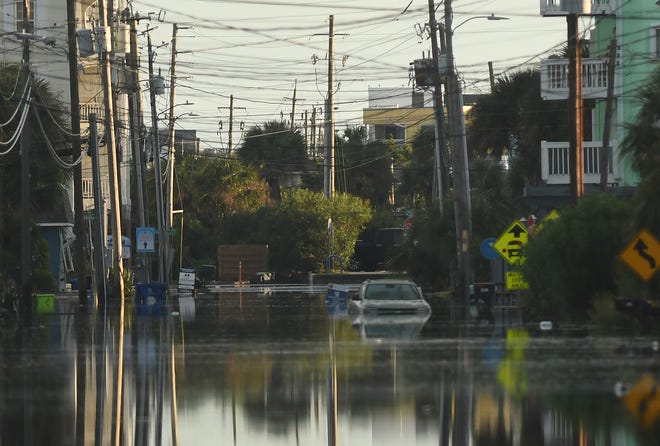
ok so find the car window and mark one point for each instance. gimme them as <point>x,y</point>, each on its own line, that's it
<point>390,291</point>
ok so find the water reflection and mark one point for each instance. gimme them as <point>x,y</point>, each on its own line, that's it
<point>284,369</point>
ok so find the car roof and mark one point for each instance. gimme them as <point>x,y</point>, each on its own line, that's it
<point>394,281</point>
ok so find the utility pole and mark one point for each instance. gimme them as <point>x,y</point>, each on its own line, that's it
<point>438,108</point>
<point>26,237</point>
<point>605,153</point>
<point>313,137</point>
<point>108,99</point>
<point>231,122</point>
<point>576,153</point>
<point>157,170</point>
<point>329,157</point>
<point>98,231</point>
<point>461,165</point>
<point>170,161</point>
<point>135,116</point>
<point>491,76</point>
<point>79,220</point>
<point>306,133</point>
<point>293,106</point>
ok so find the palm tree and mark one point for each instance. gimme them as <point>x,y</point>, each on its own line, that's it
<point>513,120</point>
<point>366,166</point>
<point>276,151</point>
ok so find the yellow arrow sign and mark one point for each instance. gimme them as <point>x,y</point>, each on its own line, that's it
<point>511,242</point>
<point>643,255</point>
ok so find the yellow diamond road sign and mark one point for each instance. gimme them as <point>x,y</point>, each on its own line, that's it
<point>642,255</point>
<point>511,242</point>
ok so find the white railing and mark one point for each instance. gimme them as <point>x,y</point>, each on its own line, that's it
<point>92,107</point>
<point>88,188</point>
<point>583,7</point>
<point>554,79</point>
<point>555,165</point>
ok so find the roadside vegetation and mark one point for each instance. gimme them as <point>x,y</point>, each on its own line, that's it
<point>270,192</point>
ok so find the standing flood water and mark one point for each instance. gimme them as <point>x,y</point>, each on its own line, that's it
<point>286,369</point>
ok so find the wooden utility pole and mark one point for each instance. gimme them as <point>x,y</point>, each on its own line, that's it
<point>461,166</point>
<point>329,156</point>
<point>135,114</point>
<point>160,223</point>
<point>576,152</point>
<point>605,153</point>
<point>26,237</point>
<point>170,161</point>
<point>79,218</point>
<point>98,231</point>
<point>293,106</point>
<point>231,122</point>
<point>438,109</point>
<point>113,172</point>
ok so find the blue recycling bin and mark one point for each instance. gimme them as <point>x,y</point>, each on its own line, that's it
<point>150,298</point>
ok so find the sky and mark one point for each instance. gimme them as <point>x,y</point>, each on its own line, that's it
<point>258,51</point>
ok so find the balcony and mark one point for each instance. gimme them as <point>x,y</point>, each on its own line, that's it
<point>92,107</point>
<point>555,168</point>
<point>554,79</point>
<point>581,7</point>
<point>88,188</point>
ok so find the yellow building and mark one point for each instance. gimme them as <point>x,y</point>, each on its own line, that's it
<point>397,113</point>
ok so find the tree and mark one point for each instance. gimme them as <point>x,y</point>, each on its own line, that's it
<point>212,191</point>
<point>296,231</point>
<point>276,151</point>
<point>417,167</point>
<point>642,144</point>
<point>513,120</point>
<point>365,168</point>
<point>48,179</point>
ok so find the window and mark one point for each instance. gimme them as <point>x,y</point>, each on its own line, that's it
<point>20,16</point>
<point>655,42</point>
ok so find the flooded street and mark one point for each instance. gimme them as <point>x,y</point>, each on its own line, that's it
<point>288,369</point>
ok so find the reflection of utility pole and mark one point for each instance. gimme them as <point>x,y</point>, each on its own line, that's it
<point>26,238</point>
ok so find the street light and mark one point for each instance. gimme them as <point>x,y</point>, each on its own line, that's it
<point>463,206</point>
<point>487,17</point>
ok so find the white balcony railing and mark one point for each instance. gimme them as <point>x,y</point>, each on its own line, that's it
<point>88,188</point>
<point>555,166</point>
<point>554,79</point>
<point>92,107</point>
<point>582,7</point>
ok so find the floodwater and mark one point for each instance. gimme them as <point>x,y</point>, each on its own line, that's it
<point>289,369</point>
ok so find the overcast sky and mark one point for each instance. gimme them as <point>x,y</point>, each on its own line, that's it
<point>258,50</point>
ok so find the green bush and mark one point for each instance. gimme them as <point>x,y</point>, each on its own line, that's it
<point>574,258</point>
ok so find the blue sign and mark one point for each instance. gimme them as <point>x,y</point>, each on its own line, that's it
<point>145,240</point>
<point>487,249</point>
